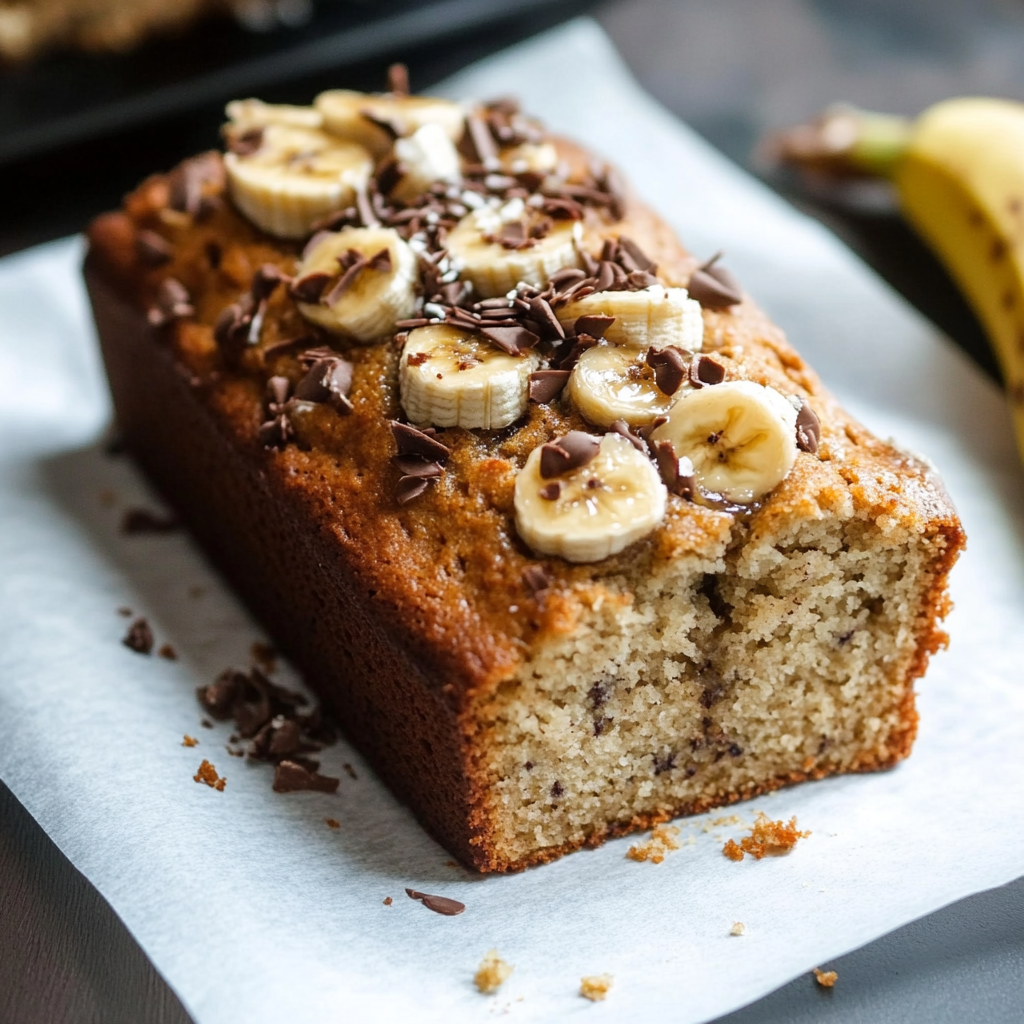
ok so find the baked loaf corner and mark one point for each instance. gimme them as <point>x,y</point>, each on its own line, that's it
<point>523,704</point>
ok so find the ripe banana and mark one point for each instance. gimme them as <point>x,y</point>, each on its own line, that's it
<point>451,378</point>
<point>286,177</point>
<point>359,117</point>
<point>357,282</point>
<point>493,248</point>
<point>740,437</point>
<point>539,157</point>
<point>425,157</point>
<point>609,496</point>
<point>615,382</point>
<point>655,316</point>
<point>958,172</point>
<point>248,114</point>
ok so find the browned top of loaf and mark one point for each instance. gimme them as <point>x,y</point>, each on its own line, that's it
<point>447,568</point>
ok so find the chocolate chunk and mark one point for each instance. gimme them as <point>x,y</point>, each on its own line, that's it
<point>512,235</point>
<point>567,453</point>
<point>546,385</point>
<point>140,520</point>
<point>704,370</point>
<point>513,340</point>
<point>139,637</point>
<point>621,427</point>
<point>594,324</point>
<point>265,282</point>
<point>219,697</point>
<point>551,491</point>
<point>581,343</point>
<point>631,257</point>
<point>409,488</point>
<point>153,249</point>
<point>808,429</point>
<point>309,288</point>
<point>328,380</point>
<point>676,473</point>
<point>186,182</point>
<point>398,80</point>
<point>544,316</point>
<point>713,286</point>
<point>479,135</point>
<point>536,579</point>
<point>411,441</point>
<point>291,777</point>
<point>417,466</point>
<point>671,367</point>
<point>438,904</point>
<point>638,280</point>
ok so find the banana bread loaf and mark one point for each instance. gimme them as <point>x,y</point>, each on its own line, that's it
<point>555,520</point>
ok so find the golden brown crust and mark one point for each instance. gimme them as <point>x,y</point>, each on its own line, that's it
<point>404,625</point>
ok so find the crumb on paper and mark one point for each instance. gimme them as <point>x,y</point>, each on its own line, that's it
<point>206,723</point>
<point>826,979</point>
<point>189,741</point>
<point>388,901</point>
<point>125,612</point>
<point>595,987</point>
<point>492,973</point>
<point>264,655</point>
<point>333,822</point>
<point>139,637</point>
<point>766,837</point>
<point>350,770</point>
<point>663,839</point>
<point>168,652</point>
<point>208,774</point>
<point>738,928</point>
<point>731,819</point>
<point>451,864</point>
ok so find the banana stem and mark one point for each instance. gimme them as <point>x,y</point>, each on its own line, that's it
<point>845,142</point>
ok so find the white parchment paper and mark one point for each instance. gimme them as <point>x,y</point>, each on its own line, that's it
<point>254,910</point>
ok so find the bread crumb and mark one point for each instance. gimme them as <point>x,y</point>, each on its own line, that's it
<point>738,928</point>
<point>826,979</point>
<point>350,770</point>
<point>264,655</point>
<point>492,973</point>
<point>595,988</point>
<point>663,839</point>
<point>388,901</point>
<point>189,741</point>
<point>332,823</point>
<point>124,612</point>
<point>766,837</point>
<point>208,774</point>
<point>451,864</point>
<point>168,652</point>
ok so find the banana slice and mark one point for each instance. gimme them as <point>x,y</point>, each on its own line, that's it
<point>492,247</point>
<point>594,510</point>
<point>246,114</point>
<point>344,116</point>
<point>656,316</point>
<point>612,382</point>
<point>294,177</point>
<point>426,157</point>
<point>376,295</point>
<point>539,157</point>
<point>451,378</point>
<point>740,437</point>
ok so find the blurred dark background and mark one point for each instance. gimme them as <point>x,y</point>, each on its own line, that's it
<point>77,130</point>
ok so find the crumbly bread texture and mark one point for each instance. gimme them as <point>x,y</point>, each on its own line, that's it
<point>728,653</point>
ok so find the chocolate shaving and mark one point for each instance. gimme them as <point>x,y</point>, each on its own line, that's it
<point>291,777</point>
<point>327,380</point>
<point>546,385</point>
<point>567,275</point>
<point>551,491</point>
<point>409,488</point>
<point>438,904</point>
<point>479,135</point>
<point>714,287</point>
<point>154,250</point>
<point>265,282</point>
<point>353,269</point>
<point>411,441</point>
<point>671,367</point>
<point>536,579</point>
<point>417,466</point>
<point>139,637</point>
<point>676,473</point>
<point>567,453</point>
<point>544,316</point>
<point>172,303</point>
<point>140,520</point>
<point>278,389</point>
<point>364,208</point>
<point>621,427</point>
<point>186,183</point>
<point>513,340</point>
<point>245,143</point>
<point>275,433</point>
<point>808,429</point>
<point>594,324</point>
<point>632,258</point>
<point>705,371</point>
<point>309,288</point>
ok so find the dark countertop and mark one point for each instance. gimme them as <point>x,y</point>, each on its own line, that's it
<point>731,69</point>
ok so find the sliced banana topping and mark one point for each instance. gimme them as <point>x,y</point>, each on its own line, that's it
<point>425,157</point>
<point>655,316</point>
<point>453,378</point>
<point>375,121</point>
<point>287,178</point>
<point>740,437</point>
<point>496,248</point>
<point>584,499</point>
<point>615,382</point>
<point>357,282</point>
<point>252,113</point>
<point>539,157</point>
